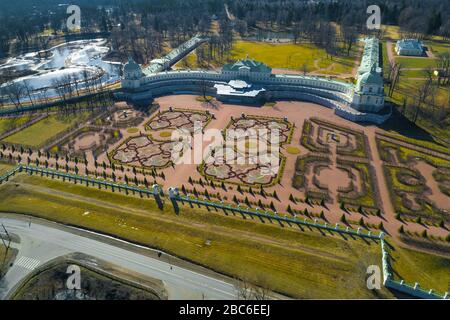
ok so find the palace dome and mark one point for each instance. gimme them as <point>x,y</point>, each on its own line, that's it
<point>371,78</point>
<point>131,66</point>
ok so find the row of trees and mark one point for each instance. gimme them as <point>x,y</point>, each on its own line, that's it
<point>423,102</point>
<point>64,88</point>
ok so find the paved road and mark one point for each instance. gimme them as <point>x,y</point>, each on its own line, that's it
<point>40,243</point>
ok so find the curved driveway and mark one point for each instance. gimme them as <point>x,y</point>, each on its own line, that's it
<point>42,242</point>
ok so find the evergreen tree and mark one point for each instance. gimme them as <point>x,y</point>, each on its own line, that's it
<point>361,222</point>
<point>272,206</point>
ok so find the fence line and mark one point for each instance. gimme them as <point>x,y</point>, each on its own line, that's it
<point>277,217</point>
<point>401,285</point>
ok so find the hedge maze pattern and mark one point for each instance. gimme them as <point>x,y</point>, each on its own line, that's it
<point>418,182</point>
<point>337,168</point>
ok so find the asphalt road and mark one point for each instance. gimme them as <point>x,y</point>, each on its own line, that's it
<point>40,243</point>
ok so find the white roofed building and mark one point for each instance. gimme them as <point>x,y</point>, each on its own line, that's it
<point>409,47</point>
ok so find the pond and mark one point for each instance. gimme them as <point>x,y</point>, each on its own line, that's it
<point>81,60</point>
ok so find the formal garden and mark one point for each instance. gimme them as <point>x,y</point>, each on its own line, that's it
<point>318,135</point>
<point>182,119</point>
<point>418,181</point>
<point>337,168</point>
<point>144,151</point>
<point>238,160</point>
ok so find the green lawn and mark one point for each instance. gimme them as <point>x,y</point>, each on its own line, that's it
<point>43,130</point>
<point>5,167</point>
<point>414,74</point>
<point>431,271</point>
<point>385,58</point>
<point>391,32</point>
<point>413,62</point>
<point>438,47</point>
<point>291,56</point>
<point>426,144</point>
<point>7,124</point>
<point>299,264</point>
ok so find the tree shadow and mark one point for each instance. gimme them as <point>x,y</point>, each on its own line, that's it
<point>403,126</point>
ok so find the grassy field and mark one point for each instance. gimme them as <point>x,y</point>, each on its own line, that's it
<point>291,56</point>
<point>5,167</point>
<point>391,32</point>
<point>431,271</point>
<point>283,56</point>
<point>188,62</point>
<point>299,264</point>
<point>414,74</point>
<point>7,124</point>
<point>426,144</point>
<point>385,58</point>
<point>408,89</point>
<point>45,129</point>
<point>410,62</point>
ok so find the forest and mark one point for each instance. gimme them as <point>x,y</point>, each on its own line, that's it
<point>144,24</point>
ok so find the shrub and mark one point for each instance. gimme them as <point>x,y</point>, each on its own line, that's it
<point>322,215</point>
<point>361,222</point>
<point>272,206</point>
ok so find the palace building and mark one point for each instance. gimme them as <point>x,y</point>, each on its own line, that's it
<point>409,47</point>
<point>251,82</point>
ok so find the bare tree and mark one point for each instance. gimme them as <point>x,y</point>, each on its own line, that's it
<point>444,69</point>
<point>6,242</point>
<point>304,69</point>
<point>15,91</point>
<point>349,35</point>
<point>28,91</point>
<point>247,291</point>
